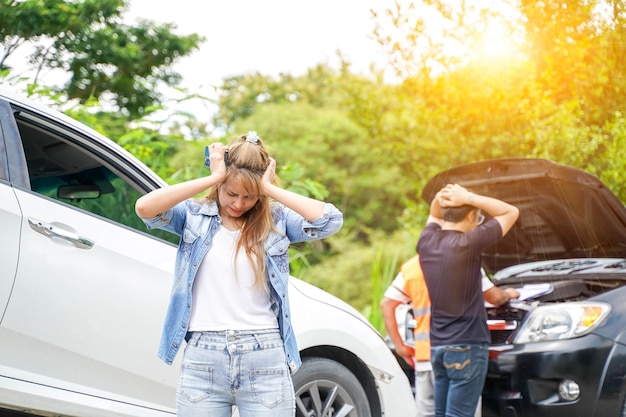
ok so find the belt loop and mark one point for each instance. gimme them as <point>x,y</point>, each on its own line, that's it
<point>258,341</point>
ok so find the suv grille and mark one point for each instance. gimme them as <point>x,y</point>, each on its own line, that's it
<point>503,322</point>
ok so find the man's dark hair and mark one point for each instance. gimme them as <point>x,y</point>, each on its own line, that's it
<point>456,214</point>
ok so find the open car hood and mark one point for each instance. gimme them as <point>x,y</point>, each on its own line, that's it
<point>564,212</point>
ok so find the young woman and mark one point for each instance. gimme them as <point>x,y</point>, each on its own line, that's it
<point>230,300</point>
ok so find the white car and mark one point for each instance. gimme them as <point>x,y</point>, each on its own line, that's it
<point>84,287</point>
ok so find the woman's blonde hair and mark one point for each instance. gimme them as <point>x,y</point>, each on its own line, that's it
<point>246,163</point>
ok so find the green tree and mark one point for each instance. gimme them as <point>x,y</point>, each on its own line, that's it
<point>578,49</point>
<point>240,96</point>
<point>359,273</point>
<point>87,40</point>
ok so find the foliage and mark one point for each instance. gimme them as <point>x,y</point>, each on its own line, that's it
<point>610,168</point>
<point>542,103</point>
<point>356,269</point>
<point>103,56</point>
<point>384,269</point>
<point>579,52</point>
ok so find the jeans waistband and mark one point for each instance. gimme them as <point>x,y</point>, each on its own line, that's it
<point>234,336</point>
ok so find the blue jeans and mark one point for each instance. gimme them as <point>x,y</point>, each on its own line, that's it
<point>230,368</point>
<point>460,372</point>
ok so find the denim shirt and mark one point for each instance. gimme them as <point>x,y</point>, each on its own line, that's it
<point>197,223</point>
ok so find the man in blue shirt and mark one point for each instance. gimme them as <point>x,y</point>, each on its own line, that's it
<point>450,248</point>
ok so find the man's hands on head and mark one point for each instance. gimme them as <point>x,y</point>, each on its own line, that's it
<point>454,195</point>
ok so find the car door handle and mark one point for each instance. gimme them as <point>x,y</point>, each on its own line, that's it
<point>54,232</point>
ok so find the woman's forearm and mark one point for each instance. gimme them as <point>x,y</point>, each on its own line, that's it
<point>307,207</point>
<point>163,199</point>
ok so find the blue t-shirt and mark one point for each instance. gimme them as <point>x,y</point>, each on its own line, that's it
<point>450,261</point>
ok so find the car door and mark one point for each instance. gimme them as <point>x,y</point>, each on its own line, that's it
<point>90,292</point>
<point>10,218</point>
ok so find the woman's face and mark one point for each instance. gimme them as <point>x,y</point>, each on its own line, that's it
<point>235,200</point>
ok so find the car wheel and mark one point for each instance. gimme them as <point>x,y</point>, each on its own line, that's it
<point>325,388</point>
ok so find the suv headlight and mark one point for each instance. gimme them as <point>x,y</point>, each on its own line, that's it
<point>561,321</point>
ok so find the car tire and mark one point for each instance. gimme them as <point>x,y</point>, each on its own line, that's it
<point>326,388</point>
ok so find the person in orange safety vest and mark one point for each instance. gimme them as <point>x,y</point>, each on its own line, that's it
<point>409,286</point>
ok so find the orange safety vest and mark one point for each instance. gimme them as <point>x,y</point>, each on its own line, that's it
<point>415,288</point>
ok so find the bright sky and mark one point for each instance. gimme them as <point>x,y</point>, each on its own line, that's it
<point>268,36</point>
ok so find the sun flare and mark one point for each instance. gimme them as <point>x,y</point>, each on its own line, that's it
<point>495,44</point>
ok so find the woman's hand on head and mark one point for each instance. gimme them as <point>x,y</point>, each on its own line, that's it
<point>270,173</point>
<point>216,155</point>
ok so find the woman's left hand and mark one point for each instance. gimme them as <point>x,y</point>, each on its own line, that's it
<point>270,173</point>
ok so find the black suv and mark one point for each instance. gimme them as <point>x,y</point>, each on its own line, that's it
<point>561,350</point>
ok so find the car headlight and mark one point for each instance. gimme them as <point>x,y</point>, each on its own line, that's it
<point>561,321</point>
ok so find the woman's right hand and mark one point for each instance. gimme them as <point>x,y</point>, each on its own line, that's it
<point>217,151</point>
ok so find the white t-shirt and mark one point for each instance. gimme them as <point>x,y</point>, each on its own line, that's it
<point>224,296</point>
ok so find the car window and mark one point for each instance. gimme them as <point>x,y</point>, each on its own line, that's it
<point>73,173</point>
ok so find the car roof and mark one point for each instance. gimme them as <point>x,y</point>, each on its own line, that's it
<point>565,212</point>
